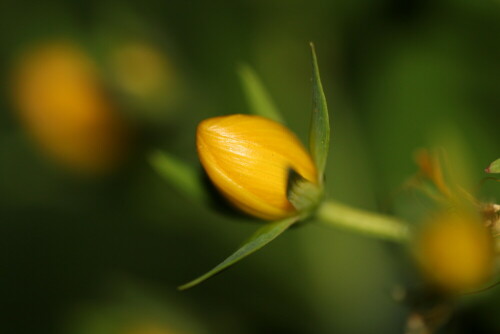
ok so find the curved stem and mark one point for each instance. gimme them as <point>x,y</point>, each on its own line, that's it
<point>366,222</point>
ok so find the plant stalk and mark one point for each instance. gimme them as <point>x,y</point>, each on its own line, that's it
<point>377,225</point>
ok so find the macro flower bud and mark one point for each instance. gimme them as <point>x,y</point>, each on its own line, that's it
<point>455,252</point>
<point>248,158</point>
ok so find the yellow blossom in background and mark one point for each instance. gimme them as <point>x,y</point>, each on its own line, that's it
<point>455,252</point>
<point>248,158</point>
<point>140,69</point>
<point>145,77</point>
<point>62,104</point>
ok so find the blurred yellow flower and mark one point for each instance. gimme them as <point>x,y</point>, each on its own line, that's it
<point>248,157</point>
<point>62,104</point>
<point>141,70</point>
<point>455,252</point>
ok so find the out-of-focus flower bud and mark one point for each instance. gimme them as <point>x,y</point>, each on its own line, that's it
<point>145,79</point>
<point>141,70</point>
<point>60,99</point>
<point>456,252</point>
<point>248,158</point>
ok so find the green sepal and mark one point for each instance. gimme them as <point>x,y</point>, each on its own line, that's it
<point>259,239</point>
<point>494,167</point>
<point>180,175</point>
<point>319,132</point>
<point>304,195</point>
<point>259,100</point>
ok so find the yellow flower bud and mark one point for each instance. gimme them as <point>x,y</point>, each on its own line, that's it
<point>248,158</point>
<point>455,252</point>
<point>63,105</point>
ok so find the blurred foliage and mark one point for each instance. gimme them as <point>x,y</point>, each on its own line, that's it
<point>398,75</point>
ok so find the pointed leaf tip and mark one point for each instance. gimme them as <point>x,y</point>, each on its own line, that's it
<point>319,132</point>
<point>259,239</point>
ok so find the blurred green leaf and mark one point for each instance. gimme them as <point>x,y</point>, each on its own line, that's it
<point>259,239</point>
<point>303,195</point>
<point>259,100</point>
<point>319,132</point>
<point>494,167</point>
<point>179,174</point>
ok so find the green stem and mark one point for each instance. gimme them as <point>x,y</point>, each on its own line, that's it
<point>377,225</point>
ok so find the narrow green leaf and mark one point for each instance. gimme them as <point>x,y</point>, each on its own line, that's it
<point>259,239</point>
<point>304,195</point>
<point>259,100</point>
<point>319,132</point>
<point>494,167</point>
<point>179,174</point>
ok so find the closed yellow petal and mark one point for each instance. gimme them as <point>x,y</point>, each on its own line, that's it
<point>248,157</point>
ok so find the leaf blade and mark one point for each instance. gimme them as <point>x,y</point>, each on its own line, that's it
<point>259,239</point>
<point>179,174</point>
<point>319,132</point>
<point>257,96</point>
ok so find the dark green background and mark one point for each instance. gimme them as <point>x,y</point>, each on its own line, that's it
<point>398,75</point>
